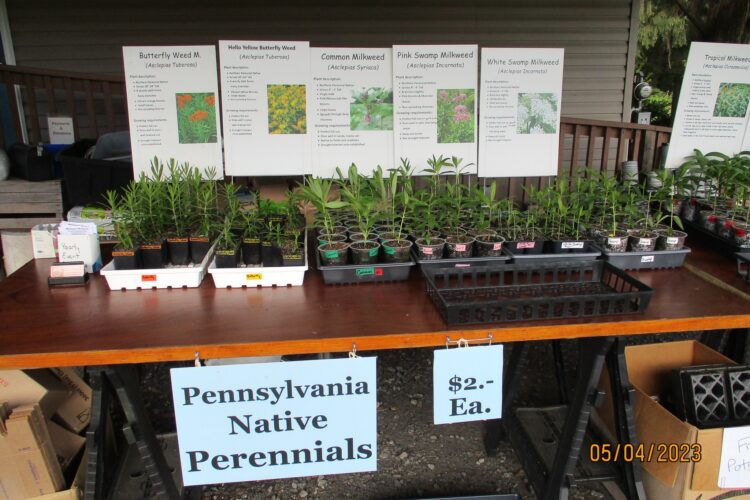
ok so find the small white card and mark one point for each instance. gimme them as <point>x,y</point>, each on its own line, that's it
<point>734,467</point>
<point>467,384</point>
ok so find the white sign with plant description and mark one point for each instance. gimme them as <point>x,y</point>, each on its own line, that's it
<point>264,90</point>
<point>173,106</point>
<point>351,109</point>
<point>712,113</point>
<point>734,467</point>
<point>519,128</point>
<point>435,98</point>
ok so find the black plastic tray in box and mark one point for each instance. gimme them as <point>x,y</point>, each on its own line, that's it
<point>711,396</point>
<point>364,273</point>
<point>462,262</point>
<point>658,259</point>
<point>543,290</point>
<point>743,265</point>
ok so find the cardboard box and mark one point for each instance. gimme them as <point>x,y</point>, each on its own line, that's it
<point>19,387</point>
<point>648,370</point>
<point>66,444</point>
<point>28,465</point>
<point>74,412</point>
<point>76,486</point>
<point>44,241</point>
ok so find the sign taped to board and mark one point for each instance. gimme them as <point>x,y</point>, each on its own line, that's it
<point>276,420</point>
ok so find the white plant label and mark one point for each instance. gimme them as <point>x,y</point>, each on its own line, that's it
<point>613,241</point>
<point>275,420</point>
<point>734,467</point>
<point>648,258</point>
<point>572,244</point>
<point>672,241</point>
<point>467,384</point>
<point>435,97</point>
<point>519,128</point>
<point>712,113</point>
<point>351,109</point>
<point>173,106</point>
<point>264,88</point>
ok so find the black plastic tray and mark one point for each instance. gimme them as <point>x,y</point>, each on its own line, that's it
<point>530,258</point>
<point>463,262</point>
<point>658,259</point>
<point>721,244</point>
<point>365,273</point>
<point>743,265</point>
<point>549,290</point>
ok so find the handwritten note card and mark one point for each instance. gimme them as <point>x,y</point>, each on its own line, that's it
<point>734,468</point>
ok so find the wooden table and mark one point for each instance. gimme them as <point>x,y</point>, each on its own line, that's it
<point>91,325</point>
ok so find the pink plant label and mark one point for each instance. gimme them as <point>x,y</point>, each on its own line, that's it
<point>427,250</point>
<point>462,265</point>
<point>572,244</point>
<point>672,241</point>
<point>460,248</point>
<point>526,244</point>
<point>647,258</point>
<point>497,246</point>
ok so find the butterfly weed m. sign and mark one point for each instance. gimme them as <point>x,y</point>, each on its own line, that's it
<point>276,420</point>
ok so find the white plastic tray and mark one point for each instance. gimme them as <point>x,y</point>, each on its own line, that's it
<point>168,277</point>
<point>238,277</point>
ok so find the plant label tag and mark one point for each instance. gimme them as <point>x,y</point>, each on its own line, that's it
<point>462,265</point>
<point>648,258</point>
<point>526,244</point>
<point>646,241</point>
<point>613,241</point>
<point>365,271</point>
<point>148,277</point>
<point>254,277</point>
<point>467,384</point>
<point>497,246</point>
<point>672,240</point>
<point>460,248</point>
<point>259,421</point>
<point>572,244</point>
<point>427,250</point>
<point>373,252</point>
<point>390,250</point>
<point>332,254</point>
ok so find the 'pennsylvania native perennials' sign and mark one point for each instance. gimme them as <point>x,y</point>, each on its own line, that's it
<point>275,420</point>
<point>173,106</point>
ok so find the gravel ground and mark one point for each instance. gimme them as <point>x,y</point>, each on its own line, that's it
<point>416,459</point>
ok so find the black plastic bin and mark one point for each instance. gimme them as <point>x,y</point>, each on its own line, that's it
<point>31,163</point>
<point>87,180</point>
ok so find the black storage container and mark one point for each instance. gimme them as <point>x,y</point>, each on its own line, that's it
<point>87,180</point>
<point>31,163</point>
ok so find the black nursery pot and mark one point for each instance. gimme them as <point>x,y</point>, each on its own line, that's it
<point>228,257</point>
<point>525,247</point>
<point>179,251</point>
<point>199,246</point>
<point>568,246</point>
<point>292,256</point>
<point>126,259</point>
<point>153,256</point>
<point>271,255</point>
<point>251,251</point>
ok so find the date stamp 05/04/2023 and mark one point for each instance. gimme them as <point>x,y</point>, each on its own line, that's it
<point>657,452</point>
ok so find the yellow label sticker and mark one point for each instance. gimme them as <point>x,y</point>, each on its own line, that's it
<point>254,277</point>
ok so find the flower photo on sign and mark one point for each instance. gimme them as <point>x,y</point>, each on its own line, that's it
<point>287,109</point>
<point>732,100</point>
<point>196,117</point>
<point>371,109</point>
<point>455,115</point>
<point>537,113</point>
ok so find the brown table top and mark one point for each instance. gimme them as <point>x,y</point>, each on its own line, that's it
<point>44,327</point>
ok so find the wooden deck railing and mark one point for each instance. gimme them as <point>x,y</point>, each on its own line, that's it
<point>98,104</point>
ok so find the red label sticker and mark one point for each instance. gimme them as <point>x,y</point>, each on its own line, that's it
<point>427,250</point>
<point>378,271</point>
<point>526,244</point>
<point>148,277</point>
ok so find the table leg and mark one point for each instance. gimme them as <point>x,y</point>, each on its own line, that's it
<point>493,429</point>
<point>592,356</point>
